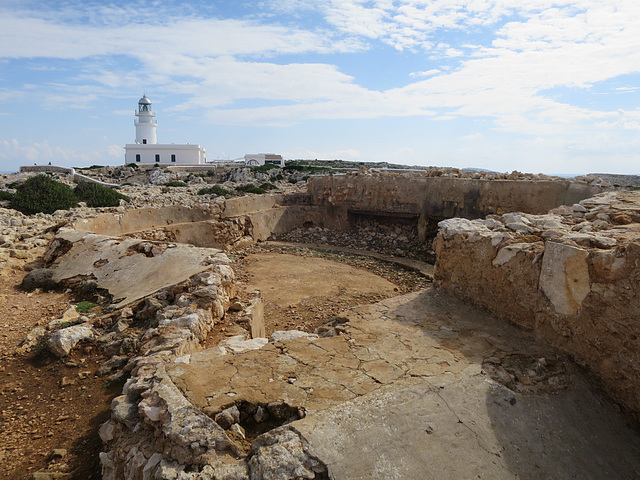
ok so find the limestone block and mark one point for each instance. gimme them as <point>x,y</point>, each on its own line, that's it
<point>282,454</point>
<point>608,266</point>
<point>453,226</point>
<point>506,253</point>
<point>491,223</point>
<point>564,277</point>
<point>515,218</point>
<point>63,341</point>
<point>282,335</point>
<point>238,344</point>
<point>520,227</point>
<point>256,312</point>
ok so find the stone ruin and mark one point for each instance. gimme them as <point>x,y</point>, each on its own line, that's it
<point>480,376</point>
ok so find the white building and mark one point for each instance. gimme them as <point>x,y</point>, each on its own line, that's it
<point>147,150</point>
<point>258,159</point>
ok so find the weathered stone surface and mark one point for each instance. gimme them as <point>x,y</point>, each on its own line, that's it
<point>564,277</point>
<point>63,341</point>
<point>282,335</point>
<point>506,253</point>
<point>32,339</point>
<point>283,454</point>
<point>128,274</point>
<point>238,343</point>
<point>228,417</point>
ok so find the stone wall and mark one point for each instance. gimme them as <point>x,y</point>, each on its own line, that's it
<point>572,276</point>
<point>218,224</point>
<point>426,197</point>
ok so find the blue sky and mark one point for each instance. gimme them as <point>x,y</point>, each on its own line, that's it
<point>539,86</point>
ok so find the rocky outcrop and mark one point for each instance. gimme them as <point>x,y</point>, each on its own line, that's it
<point>569,276</point>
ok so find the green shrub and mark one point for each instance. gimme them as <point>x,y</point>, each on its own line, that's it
<point>267,186</point>
<point>96,195</point>
<point>175,183</point>
<point>292,180</point>
<point>4,195</point>
<point>43,194</point>
<point>132,165</point>
<point>248,188</point>
<point>215,190</point>
<point>276,178</point>
<point>211,173</point>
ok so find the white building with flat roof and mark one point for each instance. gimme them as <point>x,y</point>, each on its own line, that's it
<point>147,150</point>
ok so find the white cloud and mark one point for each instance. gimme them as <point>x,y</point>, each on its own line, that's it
<point>115,151</point>
<point>426,73</point>
<point>471,137</point>
<point>27,36</point>
<point>13,154</point>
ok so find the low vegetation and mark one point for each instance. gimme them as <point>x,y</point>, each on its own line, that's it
<point>175,183</point>
<point>268,186</point>
<point>248,188</point>
<point>215,190</point>
<point>42,194</point>
<point>96,195</point>
<point>4,195</point>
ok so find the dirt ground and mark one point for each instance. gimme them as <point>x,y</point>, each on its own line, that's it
<point>302,288</point>
<point>45,403</point>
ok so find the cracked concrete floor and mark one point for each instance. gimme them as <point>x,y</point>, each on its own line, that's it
<point>421,386</point>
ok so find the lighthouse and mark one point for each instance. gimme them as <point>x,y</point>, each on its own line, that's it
<point>145,122</point>
<point>147,150</point>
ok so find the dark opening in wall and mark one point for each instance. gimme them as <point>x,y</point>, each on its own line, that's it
<point>396,233</point>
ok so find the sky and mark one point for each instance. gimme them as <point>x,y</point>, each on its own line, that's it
<point>542,86</point>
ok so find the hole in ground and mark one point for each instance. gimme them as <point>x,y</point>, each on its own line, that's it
<point>244,420</point>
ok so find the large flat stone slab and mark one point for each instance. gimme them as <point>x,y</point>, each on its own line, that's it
<point>130,269</point>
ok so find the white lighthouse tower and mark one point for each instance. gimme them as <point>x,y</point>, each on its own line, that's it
<point>148,151</point>
<point>145,123</point>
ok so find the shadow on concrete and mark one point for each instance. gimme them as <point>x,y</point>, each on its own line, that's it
<point>558,428</point>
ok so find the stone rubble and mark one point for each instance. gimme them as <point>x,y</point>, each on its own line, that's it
<point>397,241</point>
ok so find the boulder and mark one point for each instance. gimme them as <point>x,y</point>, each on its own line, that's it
<point>38,278</point>
<point>63,341</point>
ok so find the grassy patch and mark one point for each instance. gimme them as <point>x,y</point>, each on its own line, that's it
<point>85,307</point>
